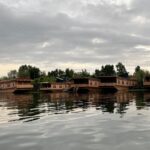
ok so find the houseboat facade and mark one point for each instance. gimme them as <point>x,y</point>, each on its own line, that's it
<point>90,84</point>
<point>56,86</point>
<point>16,85</point>
<point>74,85</point>
<point>125,83</point>
<point>85,84</point>
<point>117,83</point>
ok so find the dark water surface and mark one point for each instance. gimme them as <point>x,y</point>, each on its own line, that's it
<point>62,121</point>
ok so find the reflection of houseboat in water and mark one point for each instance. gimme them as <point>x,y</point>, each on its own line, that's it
<point>118,97</point>
<point>104,102</point>
<point>16,85</point>
<point>30,106</point>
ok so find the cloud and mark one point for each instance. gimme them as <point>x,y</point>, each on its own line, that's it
<point>76,33</point>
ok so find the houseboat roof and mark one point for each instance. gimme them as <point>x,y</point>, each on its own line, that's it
<point>54,82</point>
<point>15,80</point>
<point>114,77</point>
<point>89,78</point>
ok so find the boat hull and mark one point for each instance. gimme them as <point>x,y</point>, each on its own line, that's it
<point>15,90</point>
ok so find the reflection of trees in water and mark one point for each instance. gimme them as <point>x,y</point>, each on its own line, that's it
<point>34,105</point>
<point>108,106</point>
<point>105,102</point>
<point>123,100</point>
<point>31,109</point>
<point>140,100</point>
<point>27,104</point>
<point>121,108</point>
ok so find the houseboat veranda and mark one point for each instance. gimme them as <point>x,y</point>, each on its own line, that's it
<point>16,85</point>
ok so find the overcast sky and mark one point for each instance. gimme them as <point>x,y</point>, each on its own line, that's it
<point>74,34</point>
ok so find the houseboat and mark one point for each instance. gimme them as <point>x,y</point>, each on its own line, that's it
<point>118,83</point>
<point>16,85</point>
<point>90,84</point>
<point>55,86</point>
<point>85,84</point>
<point>125,83</point>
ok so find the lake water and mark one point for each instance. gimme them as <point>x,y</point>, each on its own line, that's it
<point>62,121</point>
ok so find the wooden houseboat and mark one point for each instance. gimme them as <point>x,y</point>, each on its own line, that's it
<point>16,85</point>
<point>117,83</point>
<point>55,86</point>
<point>90,84</point>
<point>85,84</point>
<point>125,83</point>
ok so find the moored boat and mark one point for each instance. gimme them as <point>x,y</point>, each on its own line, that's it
<point>16,85</point>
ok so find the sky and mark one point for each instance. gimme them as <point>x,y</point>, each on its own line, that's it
<point>74,34</point>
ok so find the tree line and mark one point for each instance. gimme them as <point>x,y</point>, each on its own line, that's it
<point>34,73</point>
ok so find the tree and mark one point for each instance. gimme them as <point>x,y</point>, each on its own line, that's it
<point>108,70</point>
<point>140,75</point>
<point>69,73</point>
<point>138,68</point>
<point>34,72</point>
<point>23,72</point>
<point>121,70</point>
<point>146,73</point>
<point>56,73</point>
<point>12,74</point>
<point>97,73</point>
<point>28,72</point>
<point>82,74</point>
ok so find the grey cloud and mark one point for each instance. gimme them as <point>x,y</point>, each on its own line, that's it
<point>62,32</point>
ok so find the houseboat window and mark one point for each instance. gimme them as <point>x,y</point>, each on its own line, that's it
<point>60,86</point>
<point>54,86</point>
